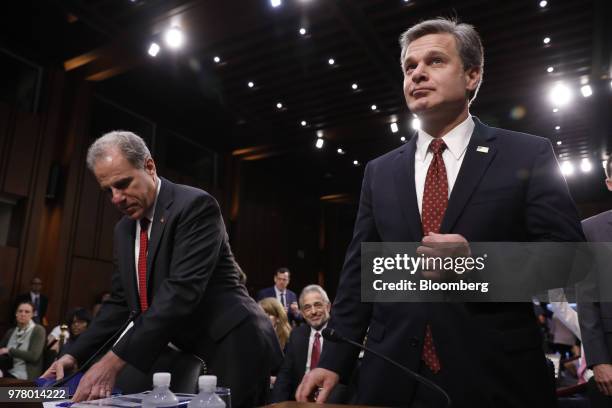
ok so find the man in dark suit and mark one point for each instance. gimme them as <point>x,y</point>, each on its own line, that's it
<point>458,181</point>
<point>173,263</point>
<point>285,296</point>
<point>304,348</point>
<point>39,301</point>
<point>595,318</point>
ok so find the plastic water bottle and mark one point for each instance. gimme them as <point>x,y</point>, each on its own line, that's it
<point>161,396</point>
<point>207,397</point>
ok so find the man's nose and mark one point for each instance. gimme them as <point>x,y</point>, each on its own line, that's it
<point>420,73</point>
<point>117,197</point>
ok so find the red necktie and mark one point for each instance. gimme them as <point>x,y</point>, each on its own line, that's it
<point>142,263</point>
<point>316,351</point>
<point>435,201</point>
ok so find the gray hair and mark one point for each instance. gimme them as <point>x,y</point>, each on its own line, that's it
<point>467,39</point>
<point>311,289</point>
<point>133,148</point>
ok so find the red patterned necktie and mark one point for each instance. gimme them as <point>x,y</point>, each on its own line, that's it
<point>142,263</point>
<point>316,351</point>
<point>435,201</point>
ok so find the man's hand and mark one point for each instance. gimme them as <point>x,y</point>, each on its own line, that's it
<point>295,310</point>
<point>318,380</point>
<point>99,380</point>
<point>64,364</point>
<point>603,378</point>
<point>3,350</point>
<point>441,246</point>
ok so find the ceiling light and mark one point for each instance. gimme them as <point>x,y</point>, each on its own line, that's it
<point>557,127</point>
<point>302,31</point>
<point>174,37</point>
<point>555,110</point>
<point>320,143</point>
<point>550,69</point>
<point>560,95</point>
<point>403,139</point>
<point>586,90</point>
<point>585,165</point>
<point>340,151</point>
<point>373,107</point>
<point>251,84</point>
<point>559,143</point>
<point>275,3</point>
<point>416,123</point>
<point>546,40</point>
<point>356,162</point>
<point>319,133</point>
<point>543,3</point>
<point>394,127</point>
<point>567,168</point>
<point>354,86</point>
<point>603,163</point>
<point>303,123</point>
<point>217,60</point>
<point>331,61</point>
<point>279,105</point>
<point>154,49</point>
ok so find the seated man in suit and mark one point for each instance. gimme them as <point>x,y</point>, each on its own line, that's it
<point>174,265</point>
<point>285,296</point>
<point>457,181</point>
<point>35,297</point>
<point>305,344</point>
<point>596,317</point>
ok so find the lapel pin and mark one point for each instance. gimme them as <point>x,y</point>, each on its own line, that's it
<point>162,220</point>
<point>482,149</point>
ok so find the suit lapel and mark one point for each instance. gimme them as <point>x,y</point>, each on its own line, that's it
<point>302,354</point>
<point>160,218</point>
<point>128,264</point>
<point>403,175</point>
<point>478,156</point>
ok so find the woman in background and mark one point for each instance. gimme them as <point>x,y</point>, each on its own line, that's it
<point>278,317</point>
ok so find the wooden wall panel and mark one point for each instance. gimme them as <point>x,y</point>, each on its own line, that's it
<point>110,216</point>
<point>4,127</point>
<point>88,278</point>
<point>21,155</point>
<point>85,236</point>
<point>8,266</point>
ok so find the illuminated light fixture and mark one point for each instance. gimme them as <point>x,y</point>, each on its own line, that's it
<point>585,165</point>
<point>555,110</point>
<point>557,127</point>
<point>586,90</point>
<point>275,3</point>
<point>340,151</point>
<point>604,163</point>
<point>250,84</point>
<point>355,162</point>
<point>331,61</point>
<point>394,127</point>
<point>559,143</point>
<point>373,107</point>
<point>302,31</point>
<point>567,168</point>
<point>174,37</point>
<point>546,40</point>
<point>416,123</point>
<point>279,105</point>
<point>543,3</point>
<point>354,86</point>
<point>550,69</point>
<point>560,95</point>
<point>320,143</point>
<point>610,84</point>
<point>403,139</point>
<point>303,123</point>
<point>154,49</point>
<point>217,59</point>
<point>319,133</point>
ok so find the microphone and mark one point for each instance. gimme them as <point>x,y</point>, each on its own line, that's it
<point>335,337</point>
<point>85,365</point>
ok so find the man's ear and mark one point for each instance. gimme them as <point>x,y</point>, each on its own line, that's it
<point>150,166</point>
<point>472,78</point>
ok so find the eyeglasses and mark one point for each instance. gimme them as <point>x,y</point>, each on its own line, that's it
<point>314,306</point>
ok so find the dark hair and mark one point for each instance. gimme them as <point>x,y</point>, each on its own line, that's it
<point>282,269</point>
<point>25,302</point>
<point>80,313</point>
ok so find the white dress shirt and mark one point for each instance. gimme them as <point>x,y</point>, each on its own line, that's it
<point>278,296</point>
<point>456,142</point>
<point>311,342</point>
<point>149,215</point>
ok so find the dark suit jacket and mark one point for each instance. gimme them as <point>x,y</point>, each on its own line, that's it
<point>196,300</point>
<point>596,317</point>
<point>290,297</point>
<point>42,305</point>
<point>294,365</point>
<point>490,353</point>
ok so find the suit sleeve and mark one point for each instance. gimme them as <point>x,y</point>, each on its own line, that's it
<point>109,320</point>
<point>285,386</point>
<point>349,315</point>
<point>197,235</point>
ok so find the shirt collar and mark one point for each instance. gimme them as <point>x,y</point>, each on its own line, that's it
<point>456,140</point>
<point>151,213</point>
<point>313,331</point>
<point>278,291</point>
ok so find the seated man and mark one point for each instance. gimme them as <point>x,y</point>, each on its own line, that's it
<point>305,343</point>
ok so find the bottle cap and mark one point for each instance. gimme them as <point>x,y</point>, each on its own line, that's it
<point>161,379</point>
<point>207,383</point>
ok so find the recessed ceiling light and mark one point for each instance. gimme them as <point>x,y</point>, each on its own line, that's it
<point>403,139</point>
<point>217,59</point>
<point>174,37</point>
<point>560,95</point>
<point>331,61</point>
<point>550,69</point>
<point>354,86</point>
<point>303,123</point>
<point>586,165</point>
<point>546,40</point>
<point>319,133</point>
<point>394,127</point>
<point>543,3</point>
<point>302,31</point>
<point>340,151</point>
<point>279,105</point>
<point>154,49</point>
<point>320,143</point>
<point>356,162</point>
<point>559,143</point>
<point>251,84</point>
<point>555,110</point>
<point>557,127</point>
<point>567,168</point>
<point>373,107</point>
<point>586,90</point>
<point>275,3</point>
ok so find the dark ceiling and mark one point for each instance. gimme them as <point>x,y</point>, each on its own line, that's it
<point>106,41</point>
